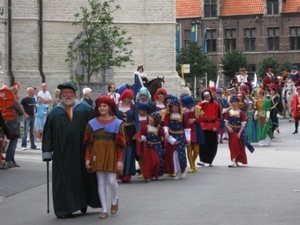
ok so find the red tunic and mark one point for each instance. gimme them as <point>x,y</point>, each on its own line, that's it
<point>212,115</point>
<point>294,106</point>
<point>141,146</point>
<point>191,115</point>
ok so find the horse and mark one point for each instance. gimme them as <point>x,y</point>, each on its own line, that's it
<point>287,93</point>
<point>151,85</point>
<point>154,84</point>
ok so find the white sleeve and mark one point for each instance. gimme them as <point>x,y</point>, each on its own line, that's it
<point>143,138</point>
<point>255,114</point>
<point>171,140</point>
<point>166,130</point>
<point>268,114</point>
<point>187,133</point>
<point>244,123</point>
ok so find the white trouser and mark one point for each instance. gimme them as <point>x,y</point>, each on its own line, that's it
<point>107,179</point>
<point>176,162</point>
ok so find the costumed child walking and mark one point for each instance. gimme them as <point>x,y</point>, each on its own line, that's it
<point>235,121</point>
<point>143,108</point>
<point>178,132</point>
<point>250,128</point>
<point>193,112</point>
<point>105,141</point>
<point>153,165</point>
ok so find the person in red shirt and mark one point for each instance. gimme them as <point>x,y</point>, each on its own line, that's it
<point>295,109</point>
<point>210,122</point>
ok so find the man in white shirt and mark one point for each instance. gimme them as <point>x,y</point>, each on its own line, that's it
<point>112,93</point>
<point>45,95</point>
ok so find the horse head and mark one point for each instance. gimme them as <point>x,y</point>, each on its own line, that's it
<point>290,87</point>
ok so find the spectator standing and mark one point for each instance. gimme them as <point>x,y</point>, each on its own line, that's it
<point>29,119</point>
<point>56,99</point>
<point>47,99</point>
<point>40,119</point>
<point>112,93</point>
<point>87,94</point>
<point>14,125</point>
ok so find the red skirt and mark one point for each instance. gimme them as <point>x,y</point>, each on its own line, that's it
<point>237,148</point>
<point>151,164</point>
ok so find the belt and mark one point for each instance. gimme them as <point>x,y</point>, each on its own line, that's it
<point>153,143</point>
<point>104,137</point>
<point>176,131</point>
<point>128,124</point>
<point>209,121</point>
<point>234,126</point>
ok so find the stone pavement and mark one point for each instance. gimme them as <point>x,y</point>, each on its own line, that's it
<point>264,192</point>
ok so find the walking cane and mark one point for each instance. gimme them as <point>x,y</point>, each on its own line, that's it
<point>47,186</point>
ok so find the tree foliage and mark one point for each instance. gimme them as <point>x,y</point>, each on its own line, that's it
<point>199,63</point>
<point>232,62</point>
<point>286,65</point>
<point>101,44</point>
<point>264,64</point>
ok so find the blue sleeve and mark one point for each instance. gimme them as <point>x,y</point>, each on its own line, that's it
<point>136,119</point>
<point>226,104</point>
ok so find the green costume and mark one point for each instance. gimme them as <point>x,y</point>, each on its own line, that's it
<point>263,128</point>
<point>72,187</point>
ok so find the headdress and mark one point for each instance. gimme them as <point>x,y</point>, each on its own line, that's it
<point>126,94</point>
<point>156,116</point>
<point>234,98</point>
<point>69,85</point>
<point>106,100</point>
<point>159,91</point>
<point>174,102</point>
<point>144,106</point>
<point>144,91</point>
<point>188,101</point>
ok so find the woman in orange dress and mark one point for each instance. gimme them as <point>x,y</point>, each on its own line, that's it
<point>105,141</point>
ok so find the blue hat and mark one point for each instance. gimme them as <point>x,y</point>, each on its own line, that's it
<point>156,115</point>
<point>169,97</point>
<point>122,89</point>
<point>188,101</point>
<point>219,90</point>
<point>174,102</point>
<point>144,106</point>
<point>294,67</point>
<point>234,98</point>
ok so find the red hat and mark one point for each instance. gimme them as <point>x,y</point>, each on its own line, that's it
<point>213,89</point>
<point>106,100</point>
<point>242,69</point>
<point>126,94</point>
<point>159,91</point>
<point>244,87</point>
<point>273,86</point>
<point>270,69</point>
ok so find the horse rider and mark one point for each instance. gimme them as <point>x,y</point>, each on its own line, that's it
<point>294,76</point>
<point>269,78</point>
<point>242,77</point>
<point>140,79</point>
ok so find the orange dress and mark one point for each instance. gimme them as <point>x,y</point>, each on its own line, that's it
<point>104,148</point>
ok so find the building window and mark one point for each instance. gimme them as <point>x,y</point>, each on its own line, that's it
<point>249,39</point>
<point>273,38</point>
<point>211,41</point>
<point>210,8</point>
<point>295,38</point>
<point>251,71</point>
<point>272,7</point>
<point>230,39</point>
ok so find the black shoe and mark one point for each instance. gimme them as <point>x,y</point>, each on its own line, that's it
<point>225,138</point>
<point>83,210</point>
<point>35,148</point>
<point>138,171</point>
<point>201,164</point>
<point>295,132</point>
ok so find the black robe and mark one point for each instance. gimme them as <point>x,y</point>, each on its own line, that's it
<point>72,187</point>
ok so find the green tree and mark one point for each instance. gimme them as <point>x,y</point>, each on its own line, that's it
<point>199,63</point>
<point>232,62</point>
<point>286,65</point>
<point>101,44</point>
<point>264,64</point>
<point>1,14</point>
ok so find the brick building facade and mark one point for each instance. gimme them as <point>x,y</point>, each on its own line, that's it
<point>259,28</point>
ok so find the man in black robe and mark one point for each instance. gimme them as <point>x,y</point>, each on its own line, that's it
<point>72,187</point>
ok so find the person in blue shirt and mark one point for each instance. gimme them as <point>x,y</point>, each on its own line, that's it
<point>40,119</point>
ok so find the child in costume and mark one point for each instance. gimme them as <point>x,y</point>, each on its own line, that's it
<point>141,146</point>
<point>153,165</point>
<point>178,132</point>
<point>250,129</point>
<point>193,113</point>
<point>235,121</point>
<point>105,141</point>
